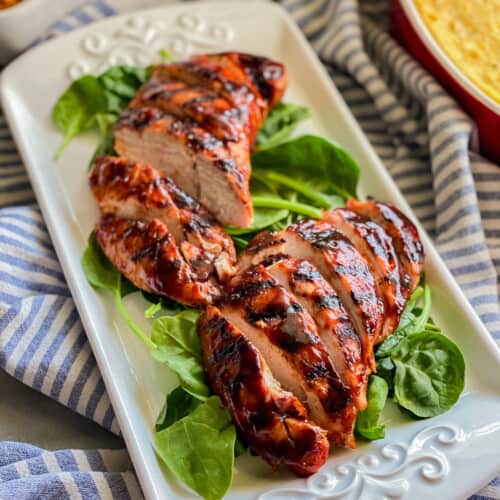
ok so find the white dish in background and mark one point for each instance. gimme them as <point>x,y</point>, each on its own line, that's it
<point>453,454</point>
<point>21,24</point>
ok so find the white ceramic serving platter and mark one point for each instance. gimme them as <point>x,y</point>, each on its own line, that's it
<point>450,456</point>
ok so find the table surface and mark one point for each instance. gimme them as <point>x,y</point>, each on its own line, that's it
<point>28,416</point>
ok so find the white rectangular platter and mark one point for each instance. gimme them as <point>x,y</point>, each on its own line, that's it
<point>450,456</point>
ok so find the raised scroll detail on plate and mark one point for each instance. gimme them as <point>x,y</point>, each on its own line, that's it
<point>385,473</point>
<point>139,39</point>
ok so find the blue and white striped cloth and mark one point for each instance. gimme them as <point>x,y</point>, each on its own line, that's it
<point>418,130</point>
<point>28,472</point>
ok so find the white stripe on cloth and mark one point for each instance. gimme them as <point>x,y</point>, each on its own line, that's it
<point>419,132</point>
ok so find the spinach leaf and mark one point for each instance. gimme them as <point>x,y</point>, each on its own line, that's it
<point>97,268</point>
<point>280,124</point>
<point>313,161</point>
<point>166,55</point>
<point>179,403</point>
<point>121,84</point>
<point>103,276</point>
<point>367,423</point>
<point>76,109</point>
<point>386,370</point>
<point>178,347</point>
<point>96,102</point>
<point>430,373</point>
<point>413,320</point>
<point>262,217</point>
<point>275,202</point>
<point>168,306</point>
<point>199,449</point>
<point>106,144</point>
<point>240,243</point>
<point>153,310</point>
<point>314,196</point>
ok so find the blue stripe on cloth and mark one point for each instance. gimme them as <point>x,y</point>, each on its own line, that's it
<point>43,330</point>
<point>46,362</point>
<point>82,379</point>
<point>67,363</point>
<point>19,332</point>
<point>86,485</point>
<point>25,265</point>
<point>19,231</point>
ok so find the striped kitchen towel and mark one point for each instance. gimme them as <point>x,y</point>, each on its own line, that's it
<point>28,472</point>
<point>420,133</point>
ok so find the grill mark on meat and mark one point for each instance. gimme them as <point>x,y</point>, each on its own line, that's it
<point>214,112</point>
<point>338,261</point>
<point>273,422</point>
<point>263,73</point>
<point>269,312</point>
<point>182,199</point>
<point>212,109</point>
<point>152,251</point>
<point>414,246</point>
<point>249,289</point>
<point>335,329</point>
<point>265,240</point>
<point>404,236</point>
<point>148,256</point>
<point>197,142</point>
<point>272,259</point>
<point>138,118</point>
<point>137,191</point>
<point>376,246</point>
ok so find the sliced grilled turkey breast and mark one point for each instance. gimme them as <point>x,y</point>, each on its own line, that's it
<point>404,236</point>
<point>213,172</point>
<point>376,246</point>
<point>335,329</point>
<point>272,421</point>
<point>148,256</point>
<point>340,263</point>
<point>137,191</point>
<point>286,336</point>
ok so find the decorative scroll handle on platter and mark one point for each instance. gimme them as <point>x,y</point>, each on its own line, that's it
<point>384,474</point>
<point>138,41</point>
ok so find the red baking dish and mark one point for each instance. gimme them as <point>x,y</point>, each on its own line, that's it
<point>410,30</point>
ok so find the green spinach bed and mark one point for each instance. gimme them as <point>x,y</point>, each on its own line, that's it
<point>418,367</point>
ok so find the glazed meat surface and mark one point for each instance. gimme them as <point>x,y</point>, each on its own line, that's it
<point>196,122</point>
<point>404,236</point>
<point>335,329</point>
<point>272,421</point>
<point>338,261</point>
<point>377,248</point>
<point>137,191</point>
<point>251,83</point>
<point>148,256</point>
<point>286,336</point>
<point>213,112</point>
<point>211,171</point>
